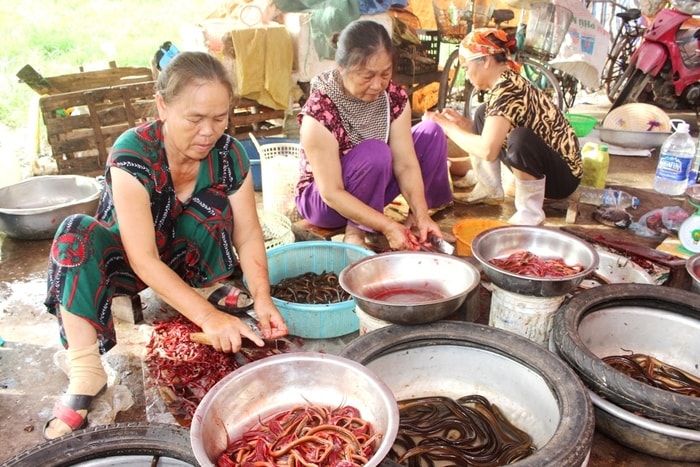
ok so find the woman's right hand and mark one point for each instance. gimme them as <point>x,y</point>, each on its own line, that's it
<point>226,332</point>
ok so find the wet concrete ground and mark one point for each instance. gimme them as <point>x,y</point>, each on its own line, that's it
<point>30,381</point>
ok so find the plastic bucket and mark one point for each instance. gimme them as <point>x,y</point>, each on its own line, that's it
<point>465,231</point>
<point>369,323</point>
<point>530,317</point>
<point>279,166</point>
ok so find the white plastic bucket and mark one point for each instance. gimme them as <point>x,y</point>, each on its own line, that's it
<point>279,167</point>
<point>369,323</point>
<point>530,317</point>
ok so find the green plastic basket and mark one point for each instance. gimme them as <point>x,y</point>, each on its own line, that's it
<point>582,124</point>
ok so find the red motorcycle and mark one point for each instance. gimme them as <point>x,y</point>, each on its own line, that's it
<point>665,68</point>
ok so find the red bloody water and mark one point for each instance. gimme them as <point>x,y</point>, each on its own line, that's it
<point>409,294</point>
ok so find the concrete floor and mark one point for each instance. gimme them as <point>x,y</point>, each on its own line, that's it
<point>30,380</point>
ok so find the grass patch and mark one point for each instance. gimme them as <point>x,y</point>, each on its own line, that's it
<point>59,37</point>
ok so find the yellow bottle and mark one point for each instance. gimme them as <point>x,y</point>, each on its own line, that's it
<point>596,161</point>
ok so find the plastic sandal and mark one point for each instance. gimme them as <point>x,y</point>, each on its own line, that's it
<point>66,410</point>
<point>235,300</point>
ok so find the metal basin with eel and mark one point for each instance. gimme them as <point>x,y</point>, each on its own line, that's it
<point>545,242</point>
<point>536,391</point>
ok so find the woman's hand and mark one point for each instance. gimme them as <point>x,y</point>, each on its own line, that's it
<point>270,320</point>
<point>226,332</point>
<point>400,237</point>
<point>449,119</point>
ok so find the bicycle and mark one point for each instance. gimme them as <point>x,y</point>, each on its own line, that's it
<point>627,37</point>
<point>458,93</point>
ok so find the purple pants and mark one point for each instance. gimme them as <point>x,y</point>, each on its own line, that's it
<point>368,175</point>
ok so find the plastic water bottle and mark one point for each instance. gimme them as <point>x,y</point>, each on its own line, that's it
<point>675,160</point>
<point>596,160</point>
<point>607,197</point>
<point>695,167</point>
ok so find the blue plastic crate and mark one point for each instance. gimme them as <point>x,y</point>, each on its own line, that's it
<point>254,156</point>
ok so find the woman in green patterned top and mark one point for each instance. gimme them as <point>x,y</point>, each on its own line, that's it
<point>178,211</point>
<point>518,126</point>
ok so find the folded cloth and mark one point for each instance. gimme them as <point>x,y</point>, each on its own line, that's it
<point>264,59</point>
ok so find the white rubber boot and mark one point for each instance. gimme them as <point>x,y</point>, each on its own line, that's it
<point>529,196</point>
<point>488,188</point>
<point>467,181</point>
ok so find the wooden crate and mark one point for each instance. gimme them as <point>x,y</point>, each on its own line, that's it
<point>83,125</point>
<point>247,116</point>
<point>113,76</point>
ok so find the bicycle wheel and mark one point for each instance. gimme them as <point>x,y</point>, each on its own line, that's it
<point>569,87</point>
<point>544,79</point>
<point>616,64</point>
<point>453,84</point>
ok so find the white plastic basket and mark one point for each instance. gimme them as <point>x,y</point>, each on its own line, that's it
<point>277,229</point>
<point>279,167</point>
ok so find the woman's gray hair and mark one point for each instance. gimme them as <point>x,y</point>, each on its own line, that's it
<point>187,67</point>
<point>361,39</point>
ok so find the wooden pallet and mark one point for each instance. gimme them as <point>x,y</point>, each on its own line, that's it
<point>248,116</point>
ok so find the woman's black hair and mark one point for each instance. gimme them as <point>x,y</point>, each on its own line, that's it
<point>361,39</point>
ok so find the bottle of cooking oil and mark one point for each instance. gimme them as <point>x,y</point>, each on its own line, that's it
<point>596,160</point>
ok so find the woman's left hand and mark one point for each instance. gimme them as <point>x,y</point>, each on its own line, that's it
<point>270,320</point>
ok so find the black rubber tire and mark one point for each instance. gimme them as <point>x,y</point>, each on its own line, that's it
<point>660,405</point>
<point>116,440</point>
<point>630,88</point>
<point>572,440</point>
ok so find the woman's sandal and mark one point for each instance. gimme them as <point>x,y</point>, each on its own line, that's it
<point>230,299</point>
<point>66,410</point>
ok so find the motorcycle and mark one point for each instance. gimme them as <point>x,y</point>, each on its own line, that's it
<point>665,68</point>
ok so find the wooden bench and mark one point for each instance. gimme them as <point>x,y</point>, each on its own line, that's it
<point>304,230</point>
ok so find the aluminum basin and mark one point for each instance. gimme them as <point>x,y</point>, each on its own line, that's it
<point>34,208</point>
<point>544,242</point>
<point>409,287</point>
<point>259,389</point>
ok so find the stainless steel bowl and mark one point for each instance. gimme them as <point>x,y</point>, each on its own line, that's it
<point>259,389</point>
<point>34,208</point>
<point>409,287</point>
<point>645,435</point>
<point>692,265</point>
<point>544,242</point>
<point>633,139</point>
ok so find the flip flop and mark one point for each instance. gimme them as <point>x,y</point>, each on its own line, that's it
<point>66,410</point>
<point>235,300</point>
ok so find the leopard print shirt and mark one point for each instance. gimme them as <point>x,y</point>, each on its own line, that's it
<point>524,105</point>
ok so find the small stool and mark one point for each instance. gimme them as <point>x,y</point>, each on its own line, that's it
<point>127,308</point>
<point>304,230</point>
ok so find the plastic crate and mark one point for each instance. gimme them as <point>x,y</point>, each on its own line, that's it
<point>277,229</point>
<point>315,321</point>
<point>423,58</point>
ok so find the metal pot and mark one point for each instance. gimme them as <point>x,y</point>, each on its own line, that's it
<point>34,208</point>
<point>409,287</point>
<point>544,242</point>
